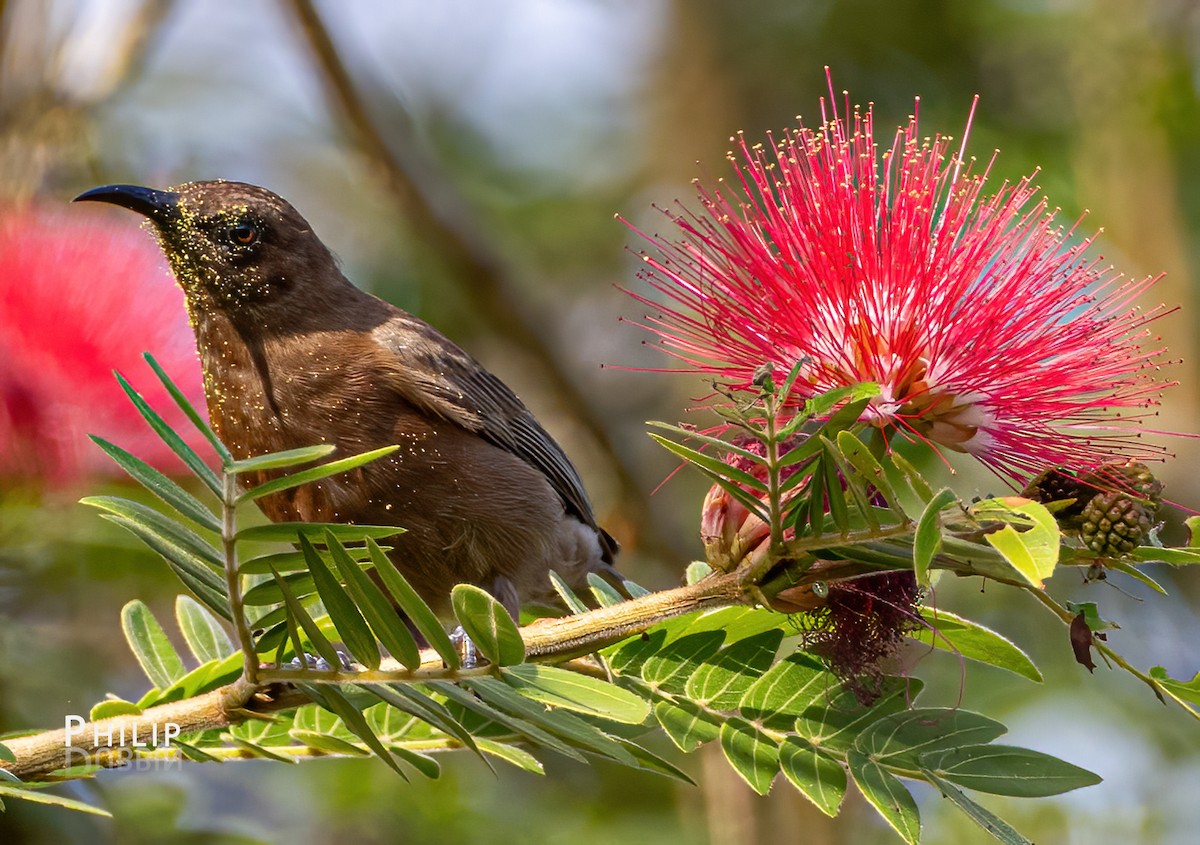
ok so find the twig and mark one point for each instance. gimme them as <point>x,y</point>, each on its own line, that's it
<point>96,742</point>
<point>553,639</point>
<point>1066,616</point>
<point>446,228</point>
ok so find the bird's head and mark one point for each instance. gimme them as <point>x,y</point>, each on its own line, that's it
<point>235,247</point>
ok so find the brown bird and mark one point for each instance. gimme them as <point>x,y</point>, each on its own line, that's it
<point>294,355</point>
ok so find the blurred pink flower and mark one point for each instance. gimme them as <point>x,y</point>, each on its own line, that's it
<point>987,328</point>
<point>78,299</point>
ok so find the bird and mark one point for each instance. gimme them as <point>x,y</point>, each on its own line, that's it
<point>294,355</point>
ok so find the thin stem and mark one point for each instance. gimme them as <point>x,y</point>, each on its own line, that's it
<point>1067,617</point>
<point>233,579</point>
<point>771,447</point>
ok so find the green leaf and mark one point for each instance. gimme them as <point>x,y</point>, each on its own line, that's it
<point>332,699</point>
<point>860,457</point>
<point>810,509</point>
<point>834,720</point>
<point>328,744</point>
<point>512,754</point>
<point>732,487</point>
<point>1193,526</point>
<point>188,409</point>
<point>378,611</point>
<point>788,688</point>
<point>163,526</point>
<point>713,464</point>
<point>916,481</point>
<point>1033,553</point>
<point>565,593</point>
<point>150,645</point>
<point>287,532</point>
<point>1174,557</point>
<point>569,727</point>
<point>856,397</point>
<point>275,460</point>
<point>414,607</point>
<point>735,623</point>
<point>307,476</point>
<point>293,561</point>
<point>686,724</point>
<point>26,794</point>
<point>488,625</point>
<point>720,683</point>
<point>1185,692</point>
<point>273,731</point>
<point>606,595</point>
<point>267,592</point>
<point>821,779</point>
<point>174,442</point>
<point>1007,770</point>
<point>195,574</point>
<point>423,763</point>
<point>696,570</point>
<point>975,642</point>
<point>1091,615</point>
<point>899,739</point>
<point>803,451</point>
<point>524,727</point>
<point>265,753</point>
<point>986,819</point>
<point>752,754</point>
<point>828,496</point>
<point>927,541</point>
<point>6,753</point>
<point>191,752</point>
<point>719,443</point>
<point>113,707</point>
<point>630,655</point>
<point>670,669</point>
<point>580,693</point>
<point>1133,572</point>
<point>854,483</point>
<point>160,485</point>
<point>408,698</point>
<point>887,795</point>
<point>343,613</point>
<point>636,591</point>
<point>651,762</point>
<point>297,613</point>
<point>201,630</point>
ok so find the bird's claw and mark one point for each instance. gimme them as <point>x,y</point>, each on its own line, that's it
<point>320,664</point>
<point>468,656</point>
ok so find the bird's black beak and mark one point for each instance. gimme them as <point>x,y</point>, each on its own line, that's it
<point>159,206</point>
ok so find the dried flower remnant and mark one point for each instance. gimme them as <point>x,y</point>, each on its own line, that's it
<point>986,324</point>
<point>79,299</point>
<point>862,624</point>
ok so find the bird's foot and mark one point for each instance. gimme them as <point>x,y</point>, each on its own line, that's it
<point>320,664</point>
<point>465,647</point>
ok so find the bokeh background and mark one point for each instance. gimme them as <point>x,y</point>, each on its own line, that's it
<point>465,159</point>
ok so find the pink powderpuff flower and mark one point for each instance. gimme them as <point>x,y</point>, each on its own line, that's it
<point>78,299</point>
<point>987,328</point>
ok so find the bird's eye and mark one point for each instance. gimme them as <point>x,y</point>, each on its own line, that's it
<point>243,234</point>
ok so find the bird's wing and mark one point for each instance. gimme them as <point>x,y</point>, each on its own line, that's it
<point>440,378</point>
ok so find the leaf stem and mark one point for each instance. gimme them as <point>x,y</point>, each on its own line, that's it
<point>1066,616</point>
<point>233,580</point>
